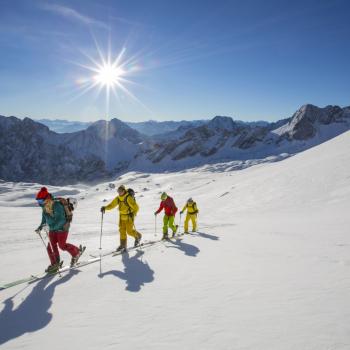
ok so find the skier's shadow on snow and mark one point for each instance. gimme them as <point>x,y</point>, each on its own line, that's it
<point>207,235</point>
<point>33,312</point>
<point>188,249</point>
<point>136,272</point>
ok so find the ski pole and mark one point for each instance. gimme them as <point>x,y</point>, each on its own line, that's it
<point>48,239</point>
<point>49,244</point>
<point>155,225</point>
<point>42,240</point>
<point>101,230</point>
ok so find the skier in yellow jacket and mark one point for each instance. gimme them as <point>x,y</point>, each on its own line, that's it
<point>192,212</point>
<point>128,209</point>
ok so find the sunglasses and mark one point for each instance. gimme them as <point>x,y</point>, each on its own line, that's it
<point>40,201</point>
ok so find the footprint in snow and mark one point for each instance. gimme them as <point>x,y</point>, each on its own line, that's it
<point>224,194</point>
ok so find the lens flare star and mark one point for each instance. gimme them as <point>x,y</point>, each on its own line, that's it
<point>110,75</point>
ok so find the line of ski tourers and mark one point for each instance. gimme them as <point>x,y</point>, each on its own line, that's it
<point>57,215</point>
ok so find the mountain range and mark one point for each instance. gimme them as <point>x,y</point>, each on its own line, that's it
<point>150,127</point>
<point>31,152</point>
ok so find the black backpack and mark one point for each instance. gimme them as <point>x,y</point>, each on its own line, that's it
<point>131,192</point>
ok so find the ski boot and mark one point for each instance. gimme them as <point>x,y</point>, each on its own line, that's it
<point>165,236</point>
<point>53,268</point>
<point>174,232</point>
<point>137,239</point>
<point>75,259</point>
<point>122,247</point>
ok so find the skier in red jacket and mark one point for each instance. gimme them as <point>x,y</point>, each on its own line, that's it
<point>170,210</point>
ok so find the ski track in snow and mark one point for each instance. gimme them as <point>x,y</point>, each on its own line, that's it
<point>267,269</point>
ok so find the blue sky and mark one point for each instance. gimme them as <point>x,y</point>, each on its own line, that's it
<point>188,59</point>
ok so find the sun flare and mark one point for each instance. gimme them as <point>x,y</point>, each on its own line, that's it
<point>109,75</point>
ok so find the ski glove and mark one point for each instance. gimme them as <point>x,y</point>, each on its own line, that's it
<point>155,213</point>
<point>38,230</point>
<point>103,209</point>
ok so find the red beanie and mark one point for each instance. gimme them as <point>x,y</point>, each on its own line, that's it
<point>43,193</point>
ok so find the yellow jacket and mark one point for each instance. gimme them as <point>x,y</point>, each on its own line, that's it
<point>127,205</point>
<point>191,208</point>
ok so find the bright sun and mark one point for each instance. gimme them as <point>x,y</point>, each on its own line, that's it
<point>108,75</point>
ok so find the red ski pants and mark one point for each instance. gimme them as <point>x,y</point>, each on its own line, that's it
<point>58,239</point>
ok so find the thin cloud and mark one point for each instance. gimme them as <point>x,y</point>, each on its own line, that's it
<point>128,21</point>
<point>71,14</point>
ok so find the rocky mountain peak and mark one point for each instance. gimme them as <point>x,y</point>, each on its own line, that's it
<point>307,118</point>
<point>222,122</point>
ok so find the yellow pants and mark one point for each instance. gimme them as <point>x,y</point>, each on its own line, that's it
<point>193,218</point>
<point>127,227</point>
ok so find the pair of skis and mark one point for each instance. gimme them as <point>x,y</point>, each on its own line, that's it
<point>93,259</point>
<point>34,278</point>
<point>141,245</point>
<point>119,252</point>
<point>144,244</point>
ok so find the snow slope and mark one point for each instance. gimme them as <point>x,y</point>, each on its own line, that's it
<point>269,268</point>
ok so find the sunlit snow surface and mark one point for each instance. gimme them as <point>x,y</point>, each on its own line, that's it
<point>269,268</point>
